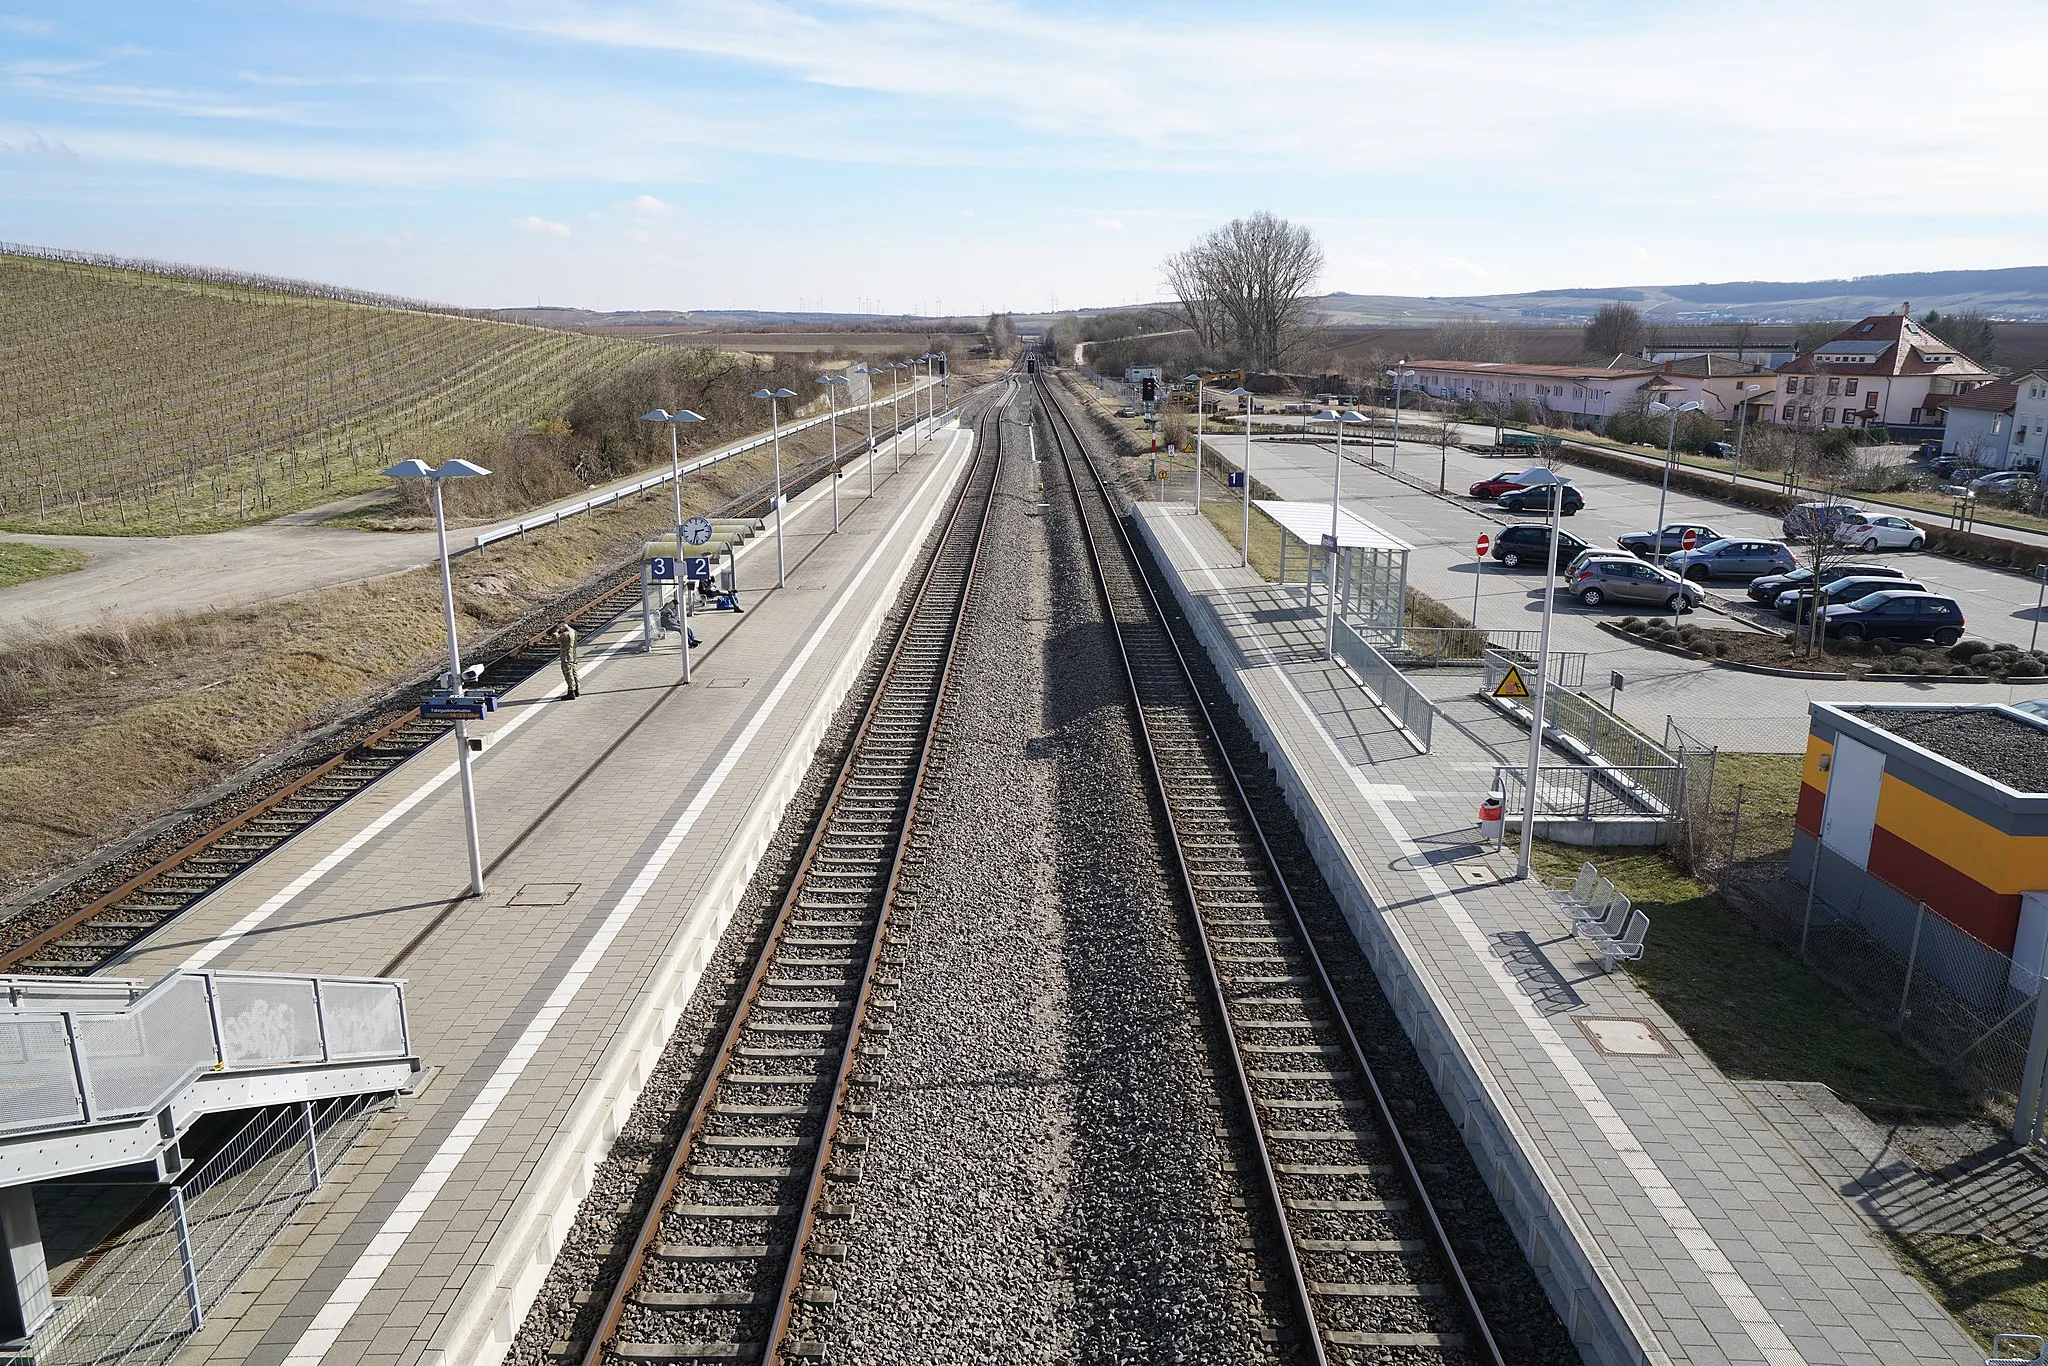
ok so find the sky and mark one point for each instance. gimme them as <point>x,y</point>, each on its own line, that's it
<point>963,156</point>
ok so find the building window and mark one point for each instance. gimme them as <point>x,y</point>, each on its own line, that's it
<point>1806,413</point>
<point>1809,385</point>
<point>1848,387</point>
<point>1827,415</point>
<point>1790,415</point>
<point>1834,387</point>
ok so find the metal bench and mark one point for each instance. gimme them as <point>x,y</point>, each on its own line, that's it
<point>2006,1347</point>
<point>1581,887</point>
<point>1604,920</point>
<point>1627,946</point>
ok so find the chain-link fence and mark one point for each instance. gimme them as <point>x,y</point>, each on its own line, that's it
<point>150,1286</point>
<point>1960,1003</point>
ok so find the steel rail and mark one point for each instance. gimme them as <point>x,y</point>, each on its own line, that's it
<point>1411,1176</point>
<point>602,1341</point>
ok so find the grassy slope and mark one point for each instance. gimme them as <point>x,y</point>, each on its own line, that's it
<point>148,404</point>
<point>19,563</point>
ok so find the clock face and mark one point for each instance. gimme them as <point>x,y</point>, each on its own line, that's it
<point>697,531</point>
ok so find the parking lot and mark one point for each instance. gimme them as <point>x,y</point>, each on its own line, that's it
<point>1735,709</point>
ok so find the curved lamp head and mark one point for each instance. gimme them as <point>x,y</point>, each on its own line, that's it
<point>450,469</point>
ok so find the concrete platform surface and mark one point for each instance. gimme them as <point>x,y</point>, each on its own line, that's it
<point>620,829</point>
<point>1669,1220</point>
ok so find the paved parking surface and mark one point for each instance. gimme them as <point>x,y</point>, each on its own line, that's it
<point>1742,711</point>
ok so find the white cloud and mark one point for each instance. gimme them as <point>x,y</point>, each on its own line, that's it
<point>21,23</point>
<point>36,147</point>
<point>646,205</point>
<point>1111,224</point>
<point>541,227</point>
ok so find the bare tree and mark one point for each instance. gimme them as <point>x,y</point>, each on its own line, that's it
<point>1616,330</point>
<point>1244,288</point>
<point>1002,336</point>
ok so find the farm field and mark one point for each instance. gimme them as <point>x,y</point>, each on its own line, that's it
<point>146,403</point>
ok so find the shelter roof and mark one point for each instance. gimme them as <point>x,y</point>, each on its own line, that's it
<point>1310,522</point>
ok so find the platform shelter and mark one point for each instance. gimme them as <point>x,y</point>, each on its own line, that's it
<point>1371,565</point>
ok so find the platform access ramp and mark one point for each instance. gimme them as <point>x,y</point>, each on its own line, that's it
<point>97,1074</point>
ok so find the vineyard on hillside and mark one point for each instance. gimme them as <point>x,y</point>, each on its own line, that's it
<point>156,401</point>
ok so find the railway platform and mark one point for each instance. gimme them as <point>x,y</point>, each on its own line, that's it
<point>620,831</point>
<point>1669,1221</point>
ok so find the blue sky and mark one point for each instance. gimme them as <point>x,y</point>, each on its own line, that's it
<point>919,155</point>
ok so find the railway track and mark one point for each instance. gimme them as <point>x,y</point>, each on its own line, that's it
<point>1369,1266</point>
<point>74,939</point>
<point>764,1166</point>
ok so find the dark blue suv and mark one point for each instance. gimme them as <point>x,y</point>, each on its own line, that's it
<point>1896,615</point>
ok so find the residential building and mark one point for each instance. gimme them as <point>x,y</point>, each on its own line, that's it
<point>1884,371</point>
<point>1591,393</point>
<point>2029,443</point>
<point>2002,425</point>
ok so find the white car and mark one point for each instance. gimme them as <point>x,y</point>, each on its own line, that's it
<point>2002,481</point>
<point>1868,531</point>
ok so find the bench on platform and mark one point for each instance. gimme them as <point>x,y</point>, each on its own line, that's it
<point>1603,917</point>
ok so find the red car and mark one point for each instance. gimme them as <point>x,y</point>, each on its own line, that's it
<point>1505,482</point>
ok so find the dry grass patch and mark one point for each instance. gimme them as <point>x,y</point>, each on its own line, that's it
<point>104,729</point>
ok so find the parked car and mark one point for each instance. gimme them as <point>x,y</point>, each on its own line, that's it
<point>1733,559</point>
<point>1671,538</point>
<point>1947,464</point>
<point>1631,580</point>
<point>1586,557</point>
<point>1767,589</point>
<point>1129,412</point>
<point>1718,450</point>
<point>1505,482</point>
<point>1870,531</point>
<point>2002,481</point>
<point>1796,603</point>
<point>1805,520</point>
<point>1897,616</point>
<point>1515,546</point>
<point>1536,498</point>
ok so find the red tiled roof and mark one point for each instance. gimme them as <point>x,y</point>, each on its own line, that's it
<point>1992,398</point>
<point>1907,353</point>
<point>1585,374</point>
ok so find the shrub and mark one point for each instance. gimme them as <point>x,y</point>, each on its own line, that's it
<point>2029,668</point>
<point>1959,670</point>
<point>1720,647</point>
<point>1904,666</point>
<point>1967,649</point>
<point>1631,623</point>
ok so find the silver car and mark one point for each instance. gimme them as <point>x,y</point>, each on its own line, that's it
<point>1631,580</point>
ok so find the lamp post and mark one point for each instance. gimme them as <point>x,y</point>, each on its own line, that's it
<point>870,406</point>
<point>1397,376</point>
<point>896,406</point>
<point>452,469</point>
<point>1741,421</point>
<point>1542,684</point>
<point>1196,380</point>
<point>774,397</point>
<point>832,383</point>
<point>1670,452</point>
<point>675,481</point>
<point>1330,556</point>
<point>1244,397</point>
<point>931,415</point>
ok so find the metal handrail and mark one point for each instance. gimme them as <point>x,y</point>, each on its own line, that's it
<point>161,1041</point>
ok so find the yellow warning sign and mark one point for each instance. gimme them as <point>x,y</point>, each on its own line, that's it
<point>1511,684</point>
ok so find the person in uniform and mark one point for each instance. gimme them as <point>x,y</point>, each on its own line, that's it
<point>565,649</point>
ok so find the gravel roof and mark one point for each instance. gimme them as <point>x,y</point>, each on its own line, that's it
<point>1998,745</point>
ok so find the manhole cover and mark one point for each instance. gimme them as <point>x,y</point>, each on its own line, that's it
<point>1477,875</point>
<point>727,683</point>
<point>546,893</point>
<point>1625,1038</point>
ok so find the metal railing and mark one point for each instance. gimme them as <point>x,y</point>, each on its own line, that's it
<point>1386,684</point>
<point>153,1284</point>
<point>1586,791</point>
<point>99,1062</point>
<point>1567,668</point>
<point>1448,646</point>
<point>656,480</point>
